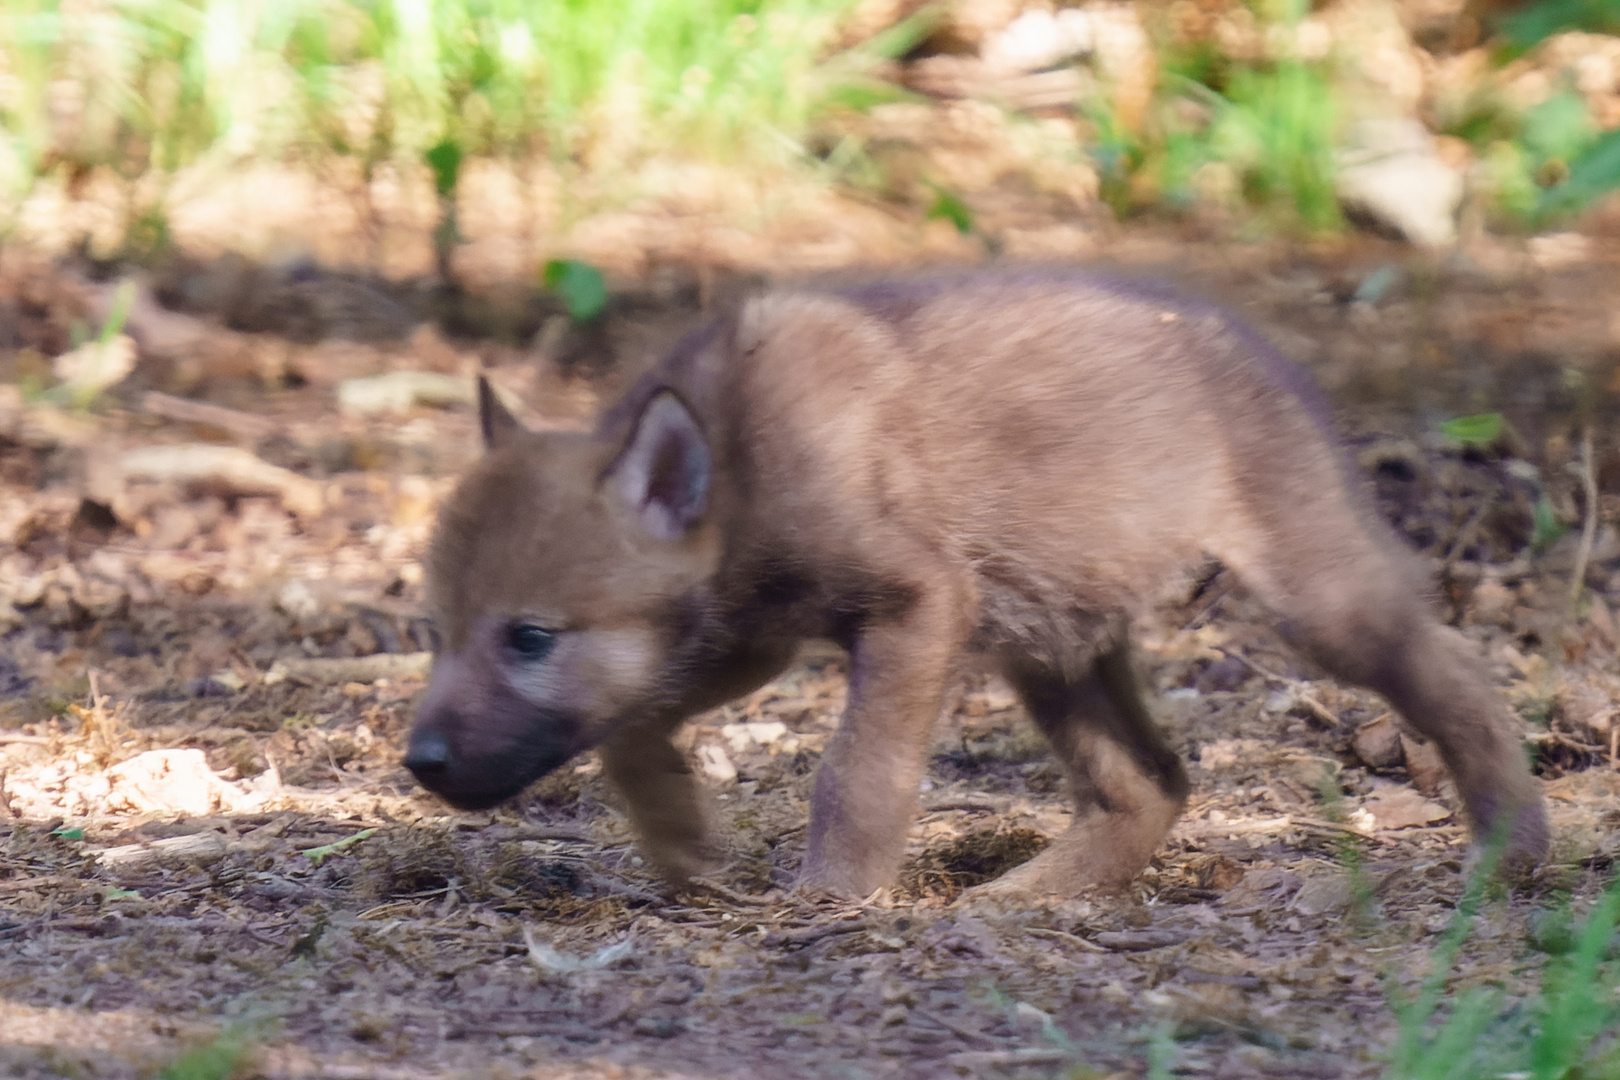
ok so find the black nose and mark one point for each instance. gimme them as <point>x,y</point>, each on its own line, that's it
<point>429,754</point>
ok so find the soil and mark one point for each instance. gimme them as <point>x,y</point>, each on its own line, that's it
<point>207,839</point>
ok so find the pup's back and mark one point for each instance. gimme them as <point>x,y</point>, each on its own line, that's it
<point>1046,452</point>
<point>1076,441</point>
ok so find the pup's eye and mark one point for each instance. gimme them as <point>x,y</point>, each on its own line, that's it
<point>529,641</point>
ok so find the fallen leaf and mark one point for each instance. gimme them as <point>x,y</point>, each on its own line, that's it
<point>1401,808</point>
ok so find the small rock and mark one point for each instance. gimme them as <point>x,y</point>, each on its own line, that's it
<point>657,1027</point>
<point>716,764</point>
<point>1029,1017</point>
<point>1037,40</point>
<point>1423,765</point>
<point>1378,743</point>
<point>296,599</point>
<point>1393,175</point>
<point>753,733</point>
<point>1323,895</point>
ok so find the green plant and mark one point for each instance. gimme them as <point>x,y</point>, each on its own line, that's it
<point>580,285</point>
<point>1270,126</point>
<point>1534,23</point>
<point>1277,130</point>
<point>1481,429</point>
<point>152,85</point>
<point>1567,1031</point>
<point>1551,161</point>
<point>217,1059</point>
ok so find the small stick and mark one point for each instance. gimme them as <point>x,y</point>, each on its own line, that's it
<point>1464,537</point>
<point>244,425</point>
<point>954,1028</point>
<point>705,885</point>
<point>1589,520</point>
<point>812,934</point>
<point>1314,707</point>
<point>1062,935</point>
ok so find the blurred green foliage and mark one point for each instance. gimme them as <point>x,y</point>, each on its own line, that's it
<point>144,87</point>
<point>581,286</point>
<point>1259,136</point>
<point>155,84</point>
<point>1566,1031</point>
<point>1528,27</point>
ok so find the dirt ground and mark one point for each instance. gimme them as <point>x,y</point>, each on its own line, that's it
<point>206,676</point>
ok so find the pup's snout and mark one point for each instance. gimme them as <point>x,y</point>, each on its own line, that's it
<point>429,755</point>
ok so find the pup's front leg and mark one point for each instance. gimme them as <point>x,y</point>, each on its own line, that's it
<point>866,788</point>
<point>665,802</point>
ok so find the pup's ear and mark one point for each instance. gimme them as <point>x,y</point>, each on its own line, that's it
<point>662,477</point>
<point>494,420</point>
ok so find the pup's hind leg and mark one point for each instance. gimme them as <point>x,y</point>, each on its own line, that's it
<point>1355,602</point>
<point>1128,786</point>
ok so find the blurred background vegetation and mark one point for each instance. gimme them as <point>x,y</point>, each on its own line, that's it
<point>120,118</point>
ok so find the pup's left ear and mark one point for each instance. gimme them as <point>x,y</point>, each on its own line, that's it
<point>497,423</point>
<point>663,475</point>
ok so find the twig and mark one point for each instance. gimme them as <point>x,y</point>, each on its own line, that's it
<point>971,802</point>
<point>231,468</point>
<point>1318,825</point>
<point>1589,520</point>
<point>245,426</point>
<point>1313,706</point>
<point>1465,536</point>
<point>32,740</point>
<point>1063,935</point>
<point>50,881</point>
<point>1614,745</point>
<point>976,1060</point>
<point>705,885</point>
<point>954,1028</point>
<point>812,934</point>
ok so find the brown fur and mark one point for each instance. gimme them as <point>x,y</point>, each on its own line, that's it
<point>1007,463</point>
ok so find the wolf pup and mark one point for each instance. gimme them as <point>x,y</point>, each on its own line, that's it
<point>1007,463</point>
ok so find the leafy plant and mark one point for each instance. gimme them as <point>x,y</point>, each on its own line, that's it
<point>949,207</point>
<point>1270,126</point>
<point>1591,174</point>
<point>1481,429</point>
<point>581,286</point>
<point>318,855</point>
<point>1277,129</point>
<point>152,85</point>
<point>1529,26</point>
<point>218,1059</point>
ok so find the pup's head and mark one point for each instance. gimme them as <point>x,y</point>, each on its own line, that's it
<point>556,579</point>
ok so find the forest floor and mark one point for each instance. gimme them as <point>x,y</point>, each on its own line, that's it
<point>207,839</point>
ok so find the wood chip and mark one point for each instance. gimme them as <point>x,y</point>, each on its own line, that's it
<point>203,847</point>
